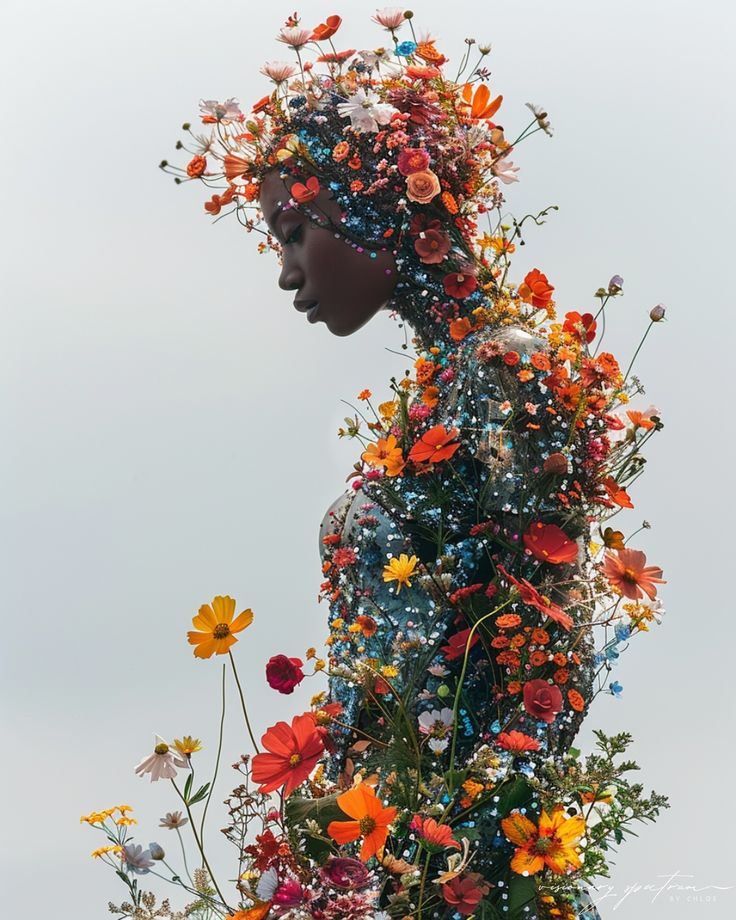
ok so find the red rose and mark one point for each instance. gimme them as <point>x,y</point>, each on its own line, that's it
<point>542,700</point>
<point>412,160</point>
<point>283,674</point>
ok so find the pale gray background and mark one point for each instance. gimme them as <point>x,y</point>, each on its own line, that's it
<point>169,420</point>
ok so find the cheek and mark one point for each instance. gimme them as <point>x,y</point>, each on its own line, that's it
<point>337,269</point>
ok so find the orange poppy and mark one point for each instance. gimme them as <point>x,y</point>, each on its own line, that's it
<point>302,193</point>
<point>326,29</point>
<point>217,627</point>
<point>459,328</point>
<point>627,570</point>
<point>253,913</point>
<point>370,820</point>
<point>536,289</point>
<point>435,445</point>
<point>617,493</point>
<point>639,420</point>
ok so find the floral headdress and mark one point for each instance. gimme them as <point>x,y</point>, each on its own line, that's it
<point>412,155</point>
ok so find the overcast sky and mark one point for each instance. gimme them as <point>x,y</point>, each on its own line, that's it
<point>169,422</point>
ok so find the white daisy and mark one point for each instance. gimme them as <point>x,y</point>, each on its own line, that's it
<point>366,111</point>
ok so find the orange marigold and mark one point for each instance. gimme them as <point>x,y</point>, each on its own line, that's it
<point>576,700</point>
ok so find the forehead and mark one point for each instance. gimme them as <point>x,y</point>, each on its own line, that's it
<point>275,194</point>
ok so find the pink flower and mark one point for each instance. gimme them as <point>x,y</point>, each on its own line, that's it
<point>344,872</point>
<point>412,159</point>
<point>465,892</point>
<point>505,171</point>
<point>162,763</point>
<point>283,674</point>
<point>390,17</point>
<point>294,37</point>
<point>542,700</point>
<point>432,246</point>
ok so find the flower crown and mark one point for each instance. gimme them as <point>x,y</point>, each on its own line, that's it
<point>405,149</point>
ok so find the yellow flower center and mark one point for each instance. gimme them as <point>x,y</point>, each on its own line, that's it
<point>543,844</point>
<point>367,825</point>
<point>295,759</point>
<point>221,631</point>
<point>161,749</point>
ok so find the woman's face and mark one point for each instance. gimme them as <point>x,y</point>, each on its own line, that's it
<point>347,287</point>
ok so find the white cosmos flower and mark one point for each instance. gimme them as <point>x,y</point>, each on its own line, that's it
<point>505,170</point>
<point>223,111</point>
<point>436,722</point>
<point>136,858</point>
<point>366,111</point>
<point>162,763</point>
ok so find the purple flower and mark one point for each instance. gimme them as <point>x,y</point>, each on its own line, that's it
<point>615,284</point>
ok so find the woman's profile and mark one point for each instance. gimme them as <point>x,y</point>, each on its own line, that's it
<point>476,593</point>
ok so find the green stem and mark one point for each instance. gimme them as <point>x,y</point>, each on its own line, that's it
<point>217,759</point>
<point>199,844</point>
<point>628,369</point>
<point>242,703</point>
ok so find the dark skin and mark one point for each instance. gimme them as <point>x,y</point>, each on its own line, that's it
<point>349,287</point>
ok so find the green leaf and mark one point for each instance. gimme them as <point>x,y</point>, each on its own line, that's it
<point>199,794</point>
<point>188,786</point>
<point>322,810</point>
<point>522,893</point>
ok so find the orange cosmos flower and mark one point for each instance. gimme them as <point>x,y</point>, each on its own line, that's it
<point>293,752</point>
<point>617,493</point>
<point>553,843</point>
<point>386,453</point>
<point>435,445</point>
<point>253,913</point>
<point>639,420</point>
<point>536,289</point>
<point>434,835</point>
<point>480,103</point>
<point>370,820</point>
<point>216,627</point>
<point>549,543</point>
<point>627,570</point>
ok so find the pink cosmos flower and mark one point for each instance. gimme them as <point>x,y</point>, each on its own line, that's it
<point>294,37</point>
<point>278,71</point>
<point>390,17</point>
<point>505,171</point>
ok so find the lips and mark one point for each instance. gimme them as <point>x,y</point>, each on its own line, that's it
<point>310,307</point>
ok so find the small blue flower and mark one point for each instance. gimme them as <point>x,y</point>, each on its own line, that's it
<point>622,632</point>
<point>597,660</point>
<point>611,653</point>
<point>404,49</point>
<point>616,689</point>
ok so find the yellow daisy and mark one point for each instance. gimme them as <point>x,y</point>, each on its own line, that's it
<point>400,570</point>
<point>216,627</point>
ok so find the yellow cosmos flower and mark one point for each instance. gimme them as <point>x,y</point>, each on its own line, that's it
<point>102,850</point>
<point>400,570</point>
<point>217,627</point>
<point>188,745</point>
<point>553,843</point>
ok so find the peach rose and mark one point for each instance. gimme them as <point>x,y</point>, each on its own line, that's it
<point>422,186</point>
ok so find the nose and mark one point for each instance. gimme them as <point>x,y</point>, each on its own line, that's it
<point>291,277</point>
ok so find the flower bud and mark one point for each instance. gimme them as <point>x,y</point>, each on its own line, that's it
<point>556,465</point>
<point>163,164</point>
<point>186,126</point>
<point>656,314</point>
<point>156,851</point>
<point>408,14</point>
<point>615,284</point>
<point>443,691</point>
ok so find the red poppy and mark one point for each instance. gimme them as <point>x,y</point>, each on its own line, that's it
<point>326,29</point>
<point>465,892</point>
<point>517,742</point>
<point>529,595</point>
<point>432,246</point>
<point>459,284</point>
<point>411,160</point>
<point>548,543</point>
<point>303,193</point>
<point>435,445</point>
<point>581,327</point>
<point>536,289</point>
<point>455,647</point>
<point>293,752</point>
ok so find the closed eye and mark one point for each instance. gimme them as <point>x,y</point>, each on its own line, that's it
<point>294,235</point>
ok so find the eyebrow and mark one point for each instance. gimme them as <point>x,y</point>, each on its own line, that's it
<point>274,215</point>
